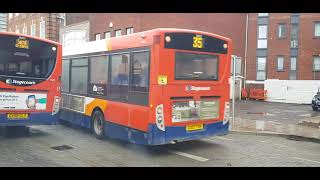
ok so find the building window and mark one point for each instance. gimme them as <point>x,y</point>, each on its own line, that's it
<point>261,68</point>
<point>17,30</point>
<point>293,63</point>
<point>33,30</point>
<point>280,62</point>
<point>98,36</point>
<point>73,37</point>
<point>24,30</point>
<point>317,29</point>
<point>107,35</point>
<point>282,31</point>
<point>129,30</point>
<point>62,18</point>
<point>10,15</point>
<point>263,14</point>
<point>118,32</point>
<point>294,36</point>
<point>293,68</point>
<point>262,31</point>
<point>262,36</point>
<point>316,63</point>
<point>42,29</point>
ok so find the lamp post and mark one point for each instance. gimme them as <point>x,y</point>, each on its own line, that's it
<point>233,60</point>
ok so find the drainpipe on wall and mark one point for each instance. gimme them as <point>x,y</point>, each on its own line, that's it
<point>245,51</point>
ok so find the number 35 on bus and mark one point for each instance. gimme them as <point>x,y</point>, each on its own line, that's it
<point>153,87</point>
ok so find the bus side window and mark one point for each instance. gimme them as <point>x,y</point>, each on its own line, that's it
<point>99,69</point>
<point>140,71</point>
<point>120,69</point>
<point>79,75</point>
<point>119,76</point>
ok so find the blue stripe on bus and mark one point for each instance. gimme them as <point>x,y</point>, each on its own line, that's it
<point>154,136</point>
<point>179,133</point>
<point>34,119</point>
<point>75,118</point>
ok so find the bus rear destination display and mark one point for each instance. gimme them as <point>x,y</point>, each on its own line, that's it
<point>195,42</point>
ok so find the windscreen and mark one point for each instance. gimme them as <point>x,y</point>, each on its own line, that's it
<point>26,57</point>
<point>193,66</point>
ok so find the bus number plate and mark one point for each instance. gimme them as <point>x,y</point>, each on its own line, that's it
<point>194,127</point>
<point>17,116</point>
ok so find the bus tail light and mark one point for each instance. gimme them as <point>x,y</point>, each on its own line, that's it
<point>160,117</point>
<point>56,105</point>
<point>226,113</point>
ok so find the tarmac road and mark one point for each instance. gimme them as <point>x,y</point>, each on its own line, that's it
<point>36,149</point>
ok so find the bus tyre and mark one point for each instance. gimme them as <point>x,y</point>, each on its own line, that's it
<point>98,124</point>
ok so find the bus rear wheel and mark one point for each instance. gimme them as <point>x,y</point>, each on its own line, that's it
<point>98,124</point>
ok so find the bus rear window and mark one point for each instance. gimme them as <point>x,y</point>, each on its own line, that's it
<point>26,57</point>
<point>193,66</point>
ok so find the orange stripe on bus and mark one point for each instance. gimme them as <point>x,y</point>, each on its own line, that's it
<point>102,104</point>
<point>109,45</point>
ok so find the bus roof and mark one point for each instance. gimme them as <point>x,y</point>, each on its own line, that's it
<point>32,37</point>
<point>139,39</point>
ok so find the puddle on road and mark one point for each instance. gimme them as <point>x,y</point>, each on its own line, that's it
<point>261,113</point>
<point>62,148</point>
<point>315,114</point>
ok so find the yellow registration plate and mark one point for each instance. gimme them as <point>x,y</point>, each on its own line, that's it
<point>194,127</point>
<point>17,116</point>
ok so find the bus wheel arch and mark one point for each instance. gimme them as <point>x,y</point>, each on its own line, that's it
<point>98,123</point>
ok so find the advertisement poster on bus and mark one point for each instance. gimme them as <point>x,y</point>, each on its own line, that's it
<point>22,101</point>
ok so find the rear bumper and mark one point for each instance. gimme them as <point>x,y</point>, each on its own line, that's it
<point>179,133</point>
<point>34,119</point>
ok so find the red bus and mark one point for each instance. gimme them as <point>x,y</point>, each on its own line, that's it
<point>153,87</point>
<point>30,78</point>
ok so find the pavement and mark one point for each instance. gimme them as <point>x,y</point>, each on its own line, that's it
<point>294,120</point>
<point>59,145</point>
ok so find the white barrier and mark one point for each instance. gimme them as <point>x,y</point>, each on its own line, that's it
<point>291,91</point>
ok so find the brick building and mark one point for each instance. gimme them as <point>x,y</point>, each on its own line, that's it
<point>44,25</point>
<point>279,45</point>
<point>283,46</point>
<point>104,25</point>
